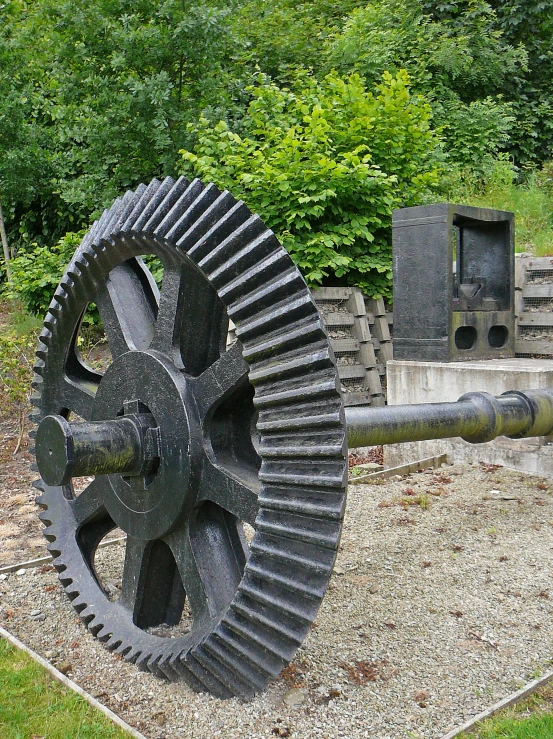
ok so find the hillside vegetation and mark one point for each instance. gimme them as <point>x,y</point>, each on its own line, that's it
<point>323,116</point>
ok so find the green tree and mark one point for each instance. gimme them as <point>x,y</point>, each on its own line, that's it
<point>526,24</point>
<point>324,163</point>
<point>458,67</point>
<point>96,97</point>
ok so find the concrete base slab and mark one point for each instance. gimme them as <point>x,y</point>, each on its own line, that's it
<point>438,382</point>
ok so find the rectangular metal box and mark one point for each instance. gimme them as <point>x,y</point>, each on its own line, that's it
<point>453,283</point>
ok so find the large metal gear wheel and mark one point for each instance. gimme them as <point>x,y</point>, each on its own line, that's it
<point>254,434</point>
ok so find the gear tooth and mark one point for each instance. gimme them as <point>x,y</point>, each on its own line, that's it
<point>61,293</point>
<point>74,272</point>
<point>34,415</point>
<point>35,400</point>
<point>97,248</point>
<point>38,367</point>
<point>55,308</point>
<point>38,485</point>
<point>32,434</point>
<point>99,630</point>
<point>166,667</point>
<point>143,203</point>
<point>45,336</point>
<point>41,351</point>
<point>130,199</point>
<point>32,449</point>
<point>67,284</point>
<point>143,661</point>
<point>208,681</point>
<point>37,382</point>
<point>153,667</point>
<point>56,554</point>
<point>34,467</point>
<point>113,643</point>
<point>164,200</point>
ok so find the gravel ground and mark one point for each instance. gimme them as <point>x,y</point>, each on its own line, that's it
<point>440,605</point>
<point>20,529</point>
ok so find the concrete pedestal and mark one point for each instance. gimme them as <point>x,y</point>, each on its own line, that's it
<point>436,382</point>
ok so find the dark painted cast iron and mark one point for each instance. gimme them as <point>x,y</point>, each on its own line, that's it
<point>455,266</point>
<point>190,441</point>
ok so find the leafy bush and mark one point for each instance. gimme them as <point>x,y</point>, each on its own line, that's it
<point>324,164</point>
<point>458,66</point>
<point>36,274</point>
<point>18,337</point>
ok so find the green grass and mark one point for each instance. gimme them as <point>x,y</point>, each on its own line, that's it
<point>33,704</point>
<point>531,200</point>
<point>530,719</point>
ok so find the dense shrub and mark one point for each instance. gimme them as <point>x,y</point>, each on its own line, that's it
<point>459,67</point>
<point>324,164</point>
<point>36,273</point>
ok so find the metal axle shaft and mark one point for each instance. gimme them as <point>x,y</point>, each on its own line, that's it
<point>475,417</point>
<point>125,445</point>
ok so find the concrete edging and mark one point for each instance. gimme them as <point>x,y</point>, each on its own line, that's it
<point>57,675</point>
<point>510,700</point>
<point>46,560</point>
<point>403,469</point>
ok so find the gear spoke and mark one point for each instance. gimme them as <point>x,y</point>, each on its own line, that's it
<point>90,502</point>
<point>231,488</point>
<point>151,587</point>
<point>192,344</point>
<point>211,558</point>
<point>228,374</point>
<point>180,543</point>
<point>134,573</point>
<point>77,395</point>
<point>127,303</point>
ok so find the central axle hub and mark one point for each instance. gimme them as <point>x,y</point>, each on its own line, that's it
<point>148,451</point>
<point>129,446</point>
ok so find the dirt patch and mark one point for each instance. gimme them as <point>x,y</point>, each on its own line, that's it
<point>20,528</point>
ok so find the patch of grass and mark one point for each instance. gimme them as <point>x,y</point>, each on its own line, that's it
<point>33,704</point>
<point>530,719</point>
<point>530,198</point>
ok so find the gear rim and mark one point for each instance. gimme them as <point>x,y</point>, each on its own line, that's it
<point>300,418</point>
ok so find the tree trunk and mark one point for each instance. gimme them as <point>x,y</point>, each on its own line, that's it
<point>5,244</point>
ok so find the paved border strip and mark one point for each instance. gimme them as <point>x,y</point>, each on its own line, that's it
<point>57,675</point>
<point>46,560</point>
<point>528,689</point>
<point>404,469</point>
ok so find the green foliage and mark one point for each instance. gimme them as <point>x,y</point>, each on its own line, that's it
<point>530,718</point>
<point>526,24</point>
<point>459,68</point>
<point>36,273</point>
<point>324,163</point>
<point>16,361</point>
<point>34,705</point>
<point>531,200</point>
<point>95,97</point>
<point>269,37</point>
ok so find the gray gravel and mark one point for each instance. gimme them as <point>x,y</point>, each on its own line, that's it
<point>436,610</point>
